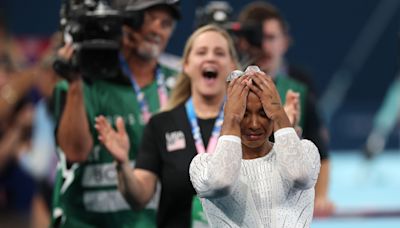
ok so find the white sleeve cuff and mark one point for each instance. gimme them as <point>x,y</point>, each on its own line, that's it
<point>232,138</point>
<point>284,131</point>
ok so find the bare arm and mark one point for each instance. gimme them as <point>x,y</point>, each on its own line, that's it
<point>73,133</point>
<point>321,188</point>
<point>323,206</point>
<point>136,185</point>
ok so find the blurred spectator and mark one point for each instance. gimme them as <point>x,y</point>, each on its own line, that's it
<point>263,40</point>
<point>15,108</point>
<point>19,130</point>
<point>41,160</point>
<point>385,121</point>
<point>16,112</point>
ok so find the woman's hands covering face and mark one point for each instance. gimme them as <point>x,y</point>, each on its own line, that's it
<point>237,92</point>
<point>265,89</point>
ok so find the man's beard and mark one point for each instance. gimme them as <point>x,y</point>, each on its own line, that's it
<point>148,51</point>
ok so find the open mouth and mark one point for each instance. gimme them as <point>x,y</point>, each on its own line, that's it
<point>210,73</point>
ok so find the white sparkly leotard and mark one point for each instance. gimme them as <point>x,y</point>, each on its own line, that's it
<point>274,191</point>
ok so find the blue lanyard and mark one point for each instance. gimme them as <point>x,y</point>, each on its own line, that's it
<point>212,142</point>
<point>140,97</point>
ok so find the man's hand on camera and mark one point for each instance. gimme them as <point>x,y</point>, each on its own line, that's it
<point>62,64</point>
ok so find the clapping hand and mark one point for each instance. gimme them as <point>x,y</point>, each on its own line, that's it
<point>293,110</point>
<point>116,142</point>
<point>292,107</point>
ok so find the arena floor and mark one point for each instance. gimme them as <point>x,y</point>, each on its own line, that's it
<point>366,193</point>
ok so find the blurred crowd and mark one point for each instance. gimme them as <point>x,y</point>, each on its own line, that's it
<point>27,149</point>
<point>33,163</point>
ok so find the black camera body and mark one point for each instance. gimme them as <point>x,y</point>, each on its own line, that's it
<point>214,12</point>
<point>95,30</point>
<point>221,13</point>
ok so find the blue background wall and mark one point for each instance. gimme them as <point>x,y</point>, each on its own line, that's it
<point>324,32</point>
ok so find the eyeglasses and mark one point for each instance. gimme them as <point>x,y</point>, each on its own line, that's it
<point>238,73</point>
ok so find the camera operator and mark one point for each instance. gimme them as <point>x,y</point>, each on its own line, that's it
<point>86,193</point>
